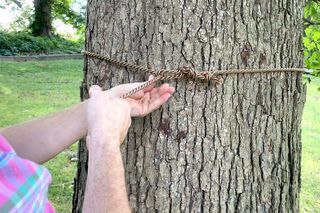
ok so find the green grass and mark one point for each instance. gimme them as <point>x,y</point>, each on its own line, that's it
<point>32,89</point>
<point>310,163</point>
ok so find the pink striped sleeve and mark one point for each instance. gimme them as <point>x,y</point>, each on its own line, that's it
<point>24,184</point>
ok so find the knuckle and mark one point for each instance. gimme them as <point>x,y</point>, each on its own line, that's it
<point>95,87</point>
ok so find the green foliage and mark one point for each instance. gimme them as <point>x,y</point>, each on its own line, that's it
<point>71,12</point>
<point>46,10</point>
<point>21,10</point>
<point>21,43</point>
<point>312,36</point>
<point>62,10</point>
<point>4,3</point>
<point>23,20</point>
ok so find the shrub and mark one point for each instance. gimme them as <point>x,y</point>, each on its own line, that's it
<point>22,43</point>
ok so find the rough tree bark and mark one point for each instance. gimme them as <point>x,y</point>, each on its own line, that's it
<point>42,23</point>
<point>233,147</point>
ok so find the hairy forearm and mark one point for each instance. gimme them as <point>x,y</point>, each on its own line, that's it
<point>41,139</point>
<point>105,188</point>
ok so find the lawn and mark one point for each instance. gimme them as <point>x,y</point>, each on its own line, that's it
<point>32,89</point>
<point>310,165</point>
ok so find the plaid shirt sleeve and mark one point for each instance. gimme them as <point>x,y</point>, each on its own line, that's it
<point>23,183</point>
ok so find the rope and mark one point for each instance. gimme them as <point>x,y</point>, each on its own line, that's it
<point>184,72</point>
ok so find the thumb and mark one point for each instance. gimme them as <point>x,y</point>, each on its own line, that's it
<point>94,90</point>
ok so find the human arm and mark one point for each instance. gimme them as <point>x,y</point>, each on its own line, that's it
<point>42,139</point>
<point>105,187</point>
<point>108,123</point>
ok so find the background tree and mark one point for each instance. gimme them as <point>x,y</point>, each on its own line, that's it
<point>213,148</point>
<point>42,20</point>
<point>47,10</point>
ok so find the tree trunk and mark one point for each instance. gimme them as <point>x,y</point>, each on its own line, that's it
<point>233,147</point>
<point>42,23</point>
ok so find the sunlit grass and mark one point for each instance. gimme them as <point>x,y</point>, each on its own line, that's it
<point>32,89</point>
<point>310,163</point>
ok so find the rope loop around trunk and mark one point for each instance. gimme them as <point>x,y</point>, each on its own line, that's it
<point>183,72</point>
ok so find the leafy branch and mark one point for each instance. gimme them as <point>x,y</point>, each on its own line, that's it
<point>309,23</point>
<point>311,38</point>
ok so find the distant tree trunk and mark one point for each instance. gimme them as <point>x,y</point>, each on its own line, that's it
<point>42,23</point>
<point>233,147</point>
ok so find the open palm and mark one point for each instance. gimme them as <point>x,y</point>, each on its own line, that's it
<point>145,101</point>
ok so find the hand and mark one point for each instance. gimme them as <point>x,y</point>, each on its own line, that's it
<point>107,117</point>
<point>144,101</point>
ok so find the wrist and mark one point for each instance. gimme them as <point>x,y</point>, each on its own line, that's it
<point>103,156</point>
<point>104,134</point>
<point>98,145</point>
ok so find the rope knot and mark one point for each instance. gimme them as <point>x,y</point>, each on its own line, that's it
<point>188,72</point>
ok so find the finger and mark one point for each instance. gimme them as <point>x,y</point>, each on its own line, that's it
<point>94,90</point>
<point>151,86</point>
<point>155,104</point>
<point>171,90</point>
<point>138,95</point>
<point>163,88</point>
<point>156,93</point>
<point>141,93</point>
<point>120,90</point>
<point>145,104</point>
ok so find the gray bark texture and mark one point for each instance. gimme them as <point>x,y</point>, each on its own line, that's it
<point>42,23</point>
<point>233,147</point>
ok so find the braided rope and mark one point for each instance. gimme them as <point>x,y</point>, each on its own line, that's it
<point>184,72</point>
<point>141,87</point>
